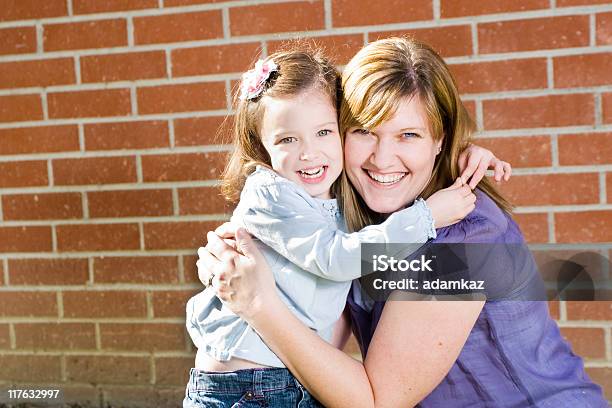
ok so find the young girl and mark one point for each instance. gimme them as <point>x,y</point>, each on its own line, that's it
<point>286,169</point>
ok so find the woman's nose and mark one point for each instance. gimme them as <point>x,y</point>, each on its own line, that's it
<point>383,154</point>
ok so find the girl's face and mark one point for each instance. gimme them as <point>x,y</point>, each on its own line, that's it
<point>301,136</point>
<point>391,164</point>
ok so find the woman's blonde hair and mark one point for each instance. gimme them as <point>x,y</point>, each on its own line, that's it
<point>375,81</point>
<point>300,67</point>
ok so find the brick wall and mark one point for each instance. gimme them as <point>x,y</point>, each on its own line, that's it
<point>109,160</point>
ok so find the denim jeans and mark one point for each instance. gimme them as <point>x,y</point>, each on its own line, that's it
<point>253,388</point>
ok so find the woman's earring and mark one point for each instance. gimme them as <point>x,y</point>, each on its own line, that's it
<point>439,150</point>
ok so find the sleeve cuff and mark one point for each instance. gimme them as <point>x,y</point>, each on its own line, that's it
<point>426,213</point>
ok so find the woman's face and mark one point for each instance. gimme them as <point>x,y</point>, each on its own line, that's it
<point>391,164</point>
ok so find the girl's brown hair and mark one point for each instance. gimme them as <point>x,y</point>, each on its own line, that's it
<point>300,67</point>
<point>374,83</point>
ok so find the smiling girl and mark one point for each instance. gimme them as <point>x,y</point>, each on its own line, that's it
<point>285,170</point>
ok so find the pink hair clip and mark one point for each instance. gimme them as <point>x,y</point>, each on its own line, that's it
<point>253,81</point>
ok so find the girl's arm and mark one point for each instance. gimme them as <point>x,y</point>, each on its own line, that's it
<point>414,346</point>
<point>285,218</point>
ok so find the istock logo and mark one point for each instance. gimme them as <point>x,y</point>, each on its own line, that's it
<point>382,263</point>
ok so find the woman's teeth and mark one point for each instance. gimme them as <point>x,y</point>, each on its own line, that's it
<point>312,173</point>
<point>386,178</point>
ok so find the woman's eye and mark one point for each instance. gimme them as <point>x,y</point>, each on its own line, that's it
<point>286,140</point>
<point>410,135</point>
<point>323,132</point>
<point>362,131</point>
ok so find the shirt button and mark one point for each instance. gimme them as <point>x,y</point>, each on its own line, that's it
<point>248,395</point>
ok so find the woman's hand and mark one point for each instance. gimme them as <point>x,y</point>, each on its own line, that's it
<point>474,162</point>
<point>241,275</point>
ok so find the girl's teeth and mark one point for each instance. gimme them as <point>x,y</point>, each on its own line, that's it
<point>312,173</point>
<point>387,178</point>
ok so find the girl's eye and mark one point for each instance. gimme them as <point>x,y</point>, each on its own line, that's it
<point>286,140</point>
<point>362,131</point>
<point>323,132</point>
<point>410,135</point>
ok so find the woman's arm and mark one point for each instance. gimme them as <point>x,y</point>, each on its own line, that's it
<point>414,346</point>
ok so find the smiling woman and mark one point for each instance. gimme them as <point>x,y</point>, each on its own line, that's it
<point>405,125</point>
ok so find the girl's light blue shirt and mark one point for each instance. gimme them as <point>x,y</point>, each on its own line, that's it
<point>311,256</point>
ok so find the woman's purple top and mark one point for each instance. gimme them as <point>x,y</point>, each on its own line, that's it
<point>515,355</point>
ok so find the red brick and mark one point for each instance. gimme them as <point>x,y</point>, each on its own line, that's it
<point>87,6</point>
<point>100,304</point>
<point>552,189</point>
<point>566,3</point>
<point>168,28</point>
<point>470,106</point>
<point>82,104</point>
<point>40,139</point>
<point>213,59</point>
<point>130,203</point>
<point>143,337</point>
<point>171,303</point>
<point>28,304</point>
<point>533,226</point>
<point>590,148</point>
<point>23,74</point>
<point>598,310</point>
<point>97,237</point>
<point>86,34</point>
<point>181,98</point>
<point>449,41</point>
<point>177,235</point>
<point>586,226</point>
<point>32,9</point>
<point>533,34</point>
<point>42,206</point>
<point>172,370</point>
<point>202,200</point>
<point>528,151</point>
<point>459,8</point>
<point>609,186</point>
<point>582,70</point>
<point>55,336</point>
<point>274,18</point>
<point>173,3</point>
<point>187,166</point>
<point>339,48</point>
<point>498,76</point>
<point>201,131</point>
<point>18,40</point>
<point>108,369</point>
<point>126,135</point>
<point>143,397</point>
<point>94,170</point>
<point>30,369</point>
<point>364,12</point>
<point>5,338</point>
<point>123,67</point>
<point>539,111</point>
<point>25,239</point>
<point>17,108</point>
<point>604,28</point>
<point>190,268</point>
<point>588,343</point>
<point>553,307</point>
<point>601,376</point>
<point>142,269</point>
<point>606,101</point>
<point>23,174</point>
<point>66,271</point>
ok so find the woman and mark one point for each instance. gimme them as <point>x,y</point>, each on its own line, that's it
<point>402,117</point>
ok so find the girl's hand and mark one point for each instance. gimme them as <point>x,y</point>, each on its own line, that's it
<point>475,160</point>
<point>451,204</point>
<point>243,280</point>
